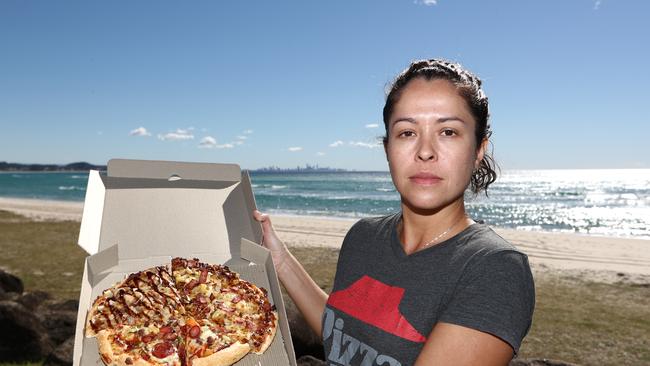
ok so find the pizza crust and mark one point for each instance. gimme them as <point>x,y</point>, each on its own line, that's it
<point>269,338</point>
<point>105,349</point>
<point>89,316</point>
<point>224,357</point>
<point>90,332</point>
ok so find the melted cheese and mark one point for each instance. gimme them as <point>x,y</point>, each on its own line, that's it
<point>171,359</point>
<point>207,332</point>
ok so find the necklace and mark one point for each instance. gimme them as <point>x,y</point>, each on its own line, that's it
<point>441,234</point>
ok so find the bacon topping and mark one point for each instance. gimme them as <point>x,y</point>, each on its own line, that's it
<point>204,275</point>
<point>181,354</point>
<point>250,325</point>
<point>266,306</point>
<point>190,285</point>
<point>147,338</point>
<point>225,308</point>
<point>201,299</point>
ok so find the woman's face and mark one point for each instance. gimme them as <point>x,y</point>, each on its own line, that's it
<point>431,147</point>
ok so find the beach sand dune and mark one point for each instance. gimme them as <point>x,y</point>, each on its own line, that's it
<point>602,259</point>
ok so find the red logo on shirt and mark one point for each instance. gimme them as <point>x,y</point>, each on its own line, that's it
<point>376,303</point>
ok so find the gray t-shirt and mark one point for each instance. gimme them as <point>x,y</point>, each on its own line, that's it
<point>385,303</point>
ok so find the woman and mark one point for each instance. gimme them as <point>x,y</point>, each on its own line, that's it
<point>428,285</point>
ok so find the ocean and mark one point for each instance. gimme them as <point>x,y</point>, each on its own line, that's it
<point>608,202</point>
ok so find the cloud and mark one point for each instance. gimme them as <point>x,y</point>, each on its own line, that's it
<point>368,145</point>
<point>336,143</point>
<point>372,125</point>
<point>140,131</point>
<point>427,2</point>
<point>597,4</point>
<point>295,148</point>
<point>242,137</point>
<point>209,142</point>
<point>180,134</point>
<point>320,153</point>
<point>247,132</point>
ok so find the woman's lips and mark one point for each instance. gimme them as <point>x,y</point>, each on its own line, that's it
<point>425,179</point>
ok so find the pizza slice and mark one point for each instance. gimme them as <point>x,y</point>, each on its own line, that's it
<point>246,311</point>
<point>143,346</point>
<point>208,345</point>
<point>143,298</point>
<point>236,308</point>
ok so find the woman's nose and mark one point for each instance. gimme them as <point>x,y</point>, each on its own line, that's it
<point>426,150</point>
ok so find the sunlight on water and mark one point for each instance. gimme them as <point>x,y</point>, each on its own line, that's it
<point>594,202</point>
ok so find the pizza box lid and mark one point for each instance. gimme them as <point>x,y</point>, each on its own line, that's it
<point>142,213</point>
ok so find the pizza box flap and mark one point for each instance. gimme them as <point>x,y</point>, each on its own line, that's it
<point>162,208</point>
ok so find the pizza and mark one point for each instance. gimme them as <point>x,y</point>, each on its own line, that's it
<point>187,314</point>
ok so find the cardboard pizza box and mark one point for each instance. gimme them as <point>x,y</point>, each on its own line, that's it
<point>143,213</point>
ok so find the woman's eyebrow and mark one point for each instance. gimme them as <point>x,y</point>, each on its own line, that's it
<point>450,118</point>
<point>439,120</point>
<point>404,119</point>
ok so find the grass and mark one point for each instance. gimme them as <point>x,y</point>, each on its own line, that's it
<point>576,320</point>
<point>44,255</point>
<point>590,323</point>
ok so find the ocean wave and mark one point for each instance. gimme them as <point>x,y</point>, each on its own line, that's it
<point>328,196</point>
<point>614,199</point>
<point>278,187</point>
<point>328,213</point>
<point>385,189</point>
<point>529,227</point>
<point>71,188</point>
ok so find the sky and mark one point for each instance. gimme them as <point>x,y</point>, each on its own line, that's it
<point>290,83</point>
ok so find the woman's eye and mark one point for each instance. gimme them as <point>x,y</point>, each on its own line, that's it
<point>448,132</point>
<point>406,134</point>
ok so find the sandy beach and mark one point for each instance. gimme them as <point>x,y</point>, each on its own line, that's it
<point>602,259</point>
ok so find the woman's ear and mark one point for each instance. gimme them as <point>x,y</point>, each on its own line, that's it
<point>481,153</point>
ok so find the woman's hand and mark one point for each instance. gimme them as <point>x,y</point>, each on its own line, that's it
<point>270,241</point>
<point>305,293</point>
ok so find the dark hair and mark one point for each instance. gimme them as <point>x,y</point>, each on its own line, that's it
<point>469,87</point>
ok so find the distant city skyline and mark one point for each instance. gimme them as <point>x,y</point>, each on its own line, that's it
<point>296,83</point>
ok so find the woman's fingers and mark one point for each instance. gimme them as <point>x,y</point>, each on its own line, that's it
<point>265,220</point>
<point>270,240</point>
